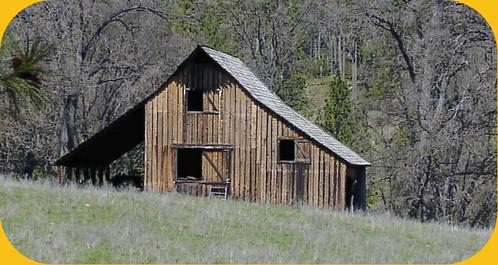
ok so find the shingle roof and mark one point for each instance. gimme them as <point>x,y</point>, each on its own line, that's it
<point>260,92</point>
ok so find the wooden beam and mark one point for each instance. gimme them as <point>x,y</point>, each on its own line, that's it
<point>205,146</point>
<point>220,175</point>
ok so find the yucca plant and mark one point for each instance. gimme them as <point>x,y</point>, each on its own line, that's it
<point>20,74</point>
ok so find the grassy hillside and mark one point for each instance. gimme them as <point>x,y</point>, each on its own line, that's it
<point>70,225</point>
<point>317,90</point>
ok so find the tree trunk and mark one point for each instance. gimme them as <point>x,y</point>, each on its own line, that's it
<point>67,137</point>
<point>354,74</point>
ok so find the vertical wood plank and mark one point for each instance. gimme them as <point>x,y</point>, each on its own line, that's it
<point>146,147</point>
<point>160,113</point>
<point>263,154</point>
<point>325,178</point>
<point>321,178</point>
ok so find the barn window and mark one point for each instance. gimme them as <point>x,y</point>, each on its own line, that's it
<point>194,100</point>
<point>286,150</point>
<point>293,150</point>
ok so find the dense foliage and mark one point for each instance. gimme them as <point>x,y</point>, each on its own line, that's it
<point>419,75</point>
<point>336,117</point>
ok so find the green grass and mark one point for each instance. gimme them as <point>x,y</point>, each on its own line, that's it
<point>70,225</point>
<point>317,92</point>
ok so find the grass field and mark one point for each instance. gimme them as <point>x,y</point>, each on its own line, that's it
<point>70,225</point>
<point>317,92</point>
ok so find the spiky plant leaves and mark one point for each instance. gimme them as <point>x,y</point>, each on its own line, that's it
<point>21,72</point>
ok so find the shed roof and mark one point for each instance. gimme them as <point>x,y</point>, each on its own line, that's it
<point>108,144</point>
<point>99,148</point>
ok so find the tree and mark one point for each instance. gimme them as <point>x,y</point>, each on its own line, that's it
<point>293,93</point>
<point>269,32</point>
<point>435,130</point>
<point>20,76</point>
<point>336,115</point>
<point>21,91</point>
<point>104,61</point>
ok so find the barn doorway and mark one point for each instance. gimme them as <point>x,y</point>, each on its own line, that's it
<point>189,164</point>
<point>356,188</point>
<point>350,188</point>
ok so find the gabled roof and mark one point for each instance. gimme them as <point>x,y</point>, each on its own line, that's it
<point>127,131</point>
<point>261,93</point>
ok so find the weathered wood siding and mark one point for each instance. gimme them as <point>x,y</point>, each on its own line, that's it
<point>233,118</point>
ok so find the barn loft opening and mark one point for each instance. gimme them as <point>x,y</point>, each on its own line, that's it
<point>194,100</point>
<point>286,150</point>
<point>189,164</point>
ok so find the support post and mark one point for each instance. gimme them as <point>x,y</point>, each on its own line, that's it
<point>93,175</point>
<point>107,173</point>
<point>100,174</point>
<point>77,175</point>
<point>86,174</point>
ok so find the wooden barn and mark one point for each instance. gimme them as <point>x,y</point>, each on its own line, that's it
<point>214,129</point>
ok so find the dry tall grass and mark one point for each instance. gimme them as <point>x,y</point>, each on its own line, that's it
<point>73,225</point>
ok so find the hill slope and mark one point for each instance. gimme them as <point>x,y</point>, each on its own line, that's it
<point>70,225</point>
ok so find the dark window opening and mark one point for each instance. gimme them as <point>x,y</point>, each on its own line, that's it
<point>189,164</point>
<point>194,100</point>
<point>286,150</point>
<point>350,187</point>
